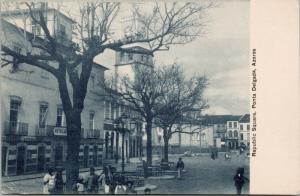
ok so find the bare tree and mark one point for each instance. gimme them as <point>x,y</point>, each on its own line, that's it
<point>181,97</point>
<point>72,62</point>
<point>140,95</point>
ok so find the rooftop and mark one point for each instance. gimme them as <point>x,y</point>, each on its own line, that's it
<point>245,118</point>
<point>219,119</point>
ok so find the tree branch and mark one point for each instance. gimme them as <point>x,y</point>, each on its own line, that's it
<point>29,59</point>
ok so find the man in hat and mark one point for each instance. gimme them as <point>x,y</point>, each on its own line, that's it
<point>239,180</point>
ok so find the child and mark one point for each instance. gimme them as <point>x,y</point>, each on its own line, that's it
<point>80,186</point>
<point>130,188</point>
<point>120,188</point>
<point>49,182</point>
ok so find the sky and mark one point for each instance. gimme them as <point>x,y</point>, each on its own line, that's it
<point>222,55</point>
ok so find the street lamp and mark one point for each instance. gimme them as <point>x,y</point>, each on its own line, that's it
<point>120,127</point>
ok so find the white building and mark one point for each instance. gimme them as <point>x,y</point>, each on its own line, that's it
<point>33,123</point>
<point>244,130</point>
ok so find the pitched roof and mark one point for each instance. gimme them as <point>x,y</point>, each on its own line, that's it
<point>101,66</point>
<point>245,118</point>
<point>219,119</point>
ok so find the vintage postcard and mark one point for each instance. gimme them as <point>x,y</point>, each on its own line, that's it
<point>150,97</point>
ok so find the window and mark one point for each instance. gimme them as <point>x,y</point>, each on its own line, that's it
<point>230,125</point>
<point>241,127</point>
<point>235,133</point>
<point>112,113</point>
<point>242,136</point>
<point>59,117</point>
<point>235,124</point>
<point>62,30</point>
<point>122,56</point>
<point>230,134</point>
<point>248,127</point>
<point>106,111</point>
<point>91,122</point>
<point>122,109</point>
<point>117,111</point>
<point>14,110</point>
<point>43,115</point>
<point>35,28</point>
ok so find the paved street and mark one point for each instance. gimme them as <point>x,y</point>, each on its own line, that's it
<point>203,176</point>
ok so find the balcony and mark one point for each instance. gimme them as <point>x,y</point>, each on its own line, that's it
<point>15,128</point>
<point>90,133</point>
<point>45,131</point>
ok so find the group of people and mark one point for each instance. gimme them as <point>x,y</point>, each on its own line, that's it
<point>108,181</point>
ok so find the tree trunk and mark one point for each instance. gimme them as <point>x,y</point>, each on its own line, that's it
<point>73,145</point>
<point>149,141</point>
<point>166,149</point>
<point>166,146</point>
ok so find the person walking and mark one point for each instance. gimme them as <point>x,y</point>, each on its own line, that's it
<point>179,167</point>
<point>49,182</point>
<point>239,180</point>
<point>92,182</point>
<point>212,155</point>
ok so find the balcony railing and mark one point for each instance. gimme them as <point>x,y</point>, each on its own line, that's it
<point>44,131</point>
<point>90,133</point>
<point>15,128</point>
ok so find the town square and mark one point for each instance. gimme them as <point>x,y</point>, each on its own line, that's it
<point>125,97</point>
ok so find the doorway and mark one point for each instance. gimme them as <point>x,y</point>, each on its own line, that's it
<point>95,156</point>
<point>86,157</point>
<point>58,157</point>
<point>41,159</point>
<point>4,160</point>
<point>21,159</point>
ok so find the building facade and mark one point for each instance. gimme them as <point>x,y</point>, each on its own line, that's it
<point>244,131</point>
<point>33,125</point>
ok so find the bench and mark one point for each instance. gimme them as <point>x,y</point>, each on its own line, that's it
<point>134,177</point>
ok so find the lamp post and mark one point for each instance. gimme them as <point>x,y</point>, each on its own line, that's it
<point>120,127</point>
